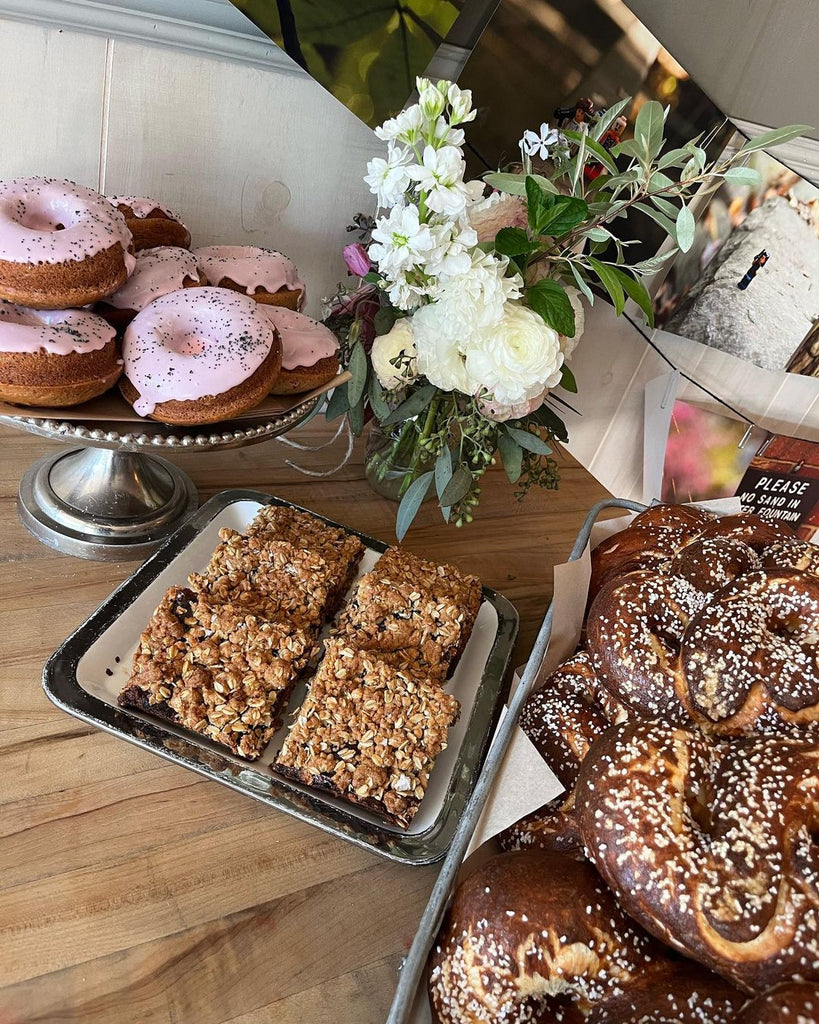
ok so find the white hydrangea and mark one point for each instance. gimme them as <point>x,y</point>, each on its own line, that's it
<point>440,336</point>
<point>515,360</point>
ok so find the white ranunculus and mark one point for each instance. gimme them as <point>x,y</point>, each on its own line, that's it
<point>515,360</point>
<point>439,338</point>
<point>568,345</point>
<point>397,344</point>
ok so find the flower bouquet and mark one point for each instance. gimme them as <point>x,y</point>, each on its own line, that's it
<point>469,304</point>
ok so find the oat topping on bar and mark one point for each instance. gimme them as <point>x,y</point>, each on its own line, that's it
<point>368,733</point>
<point>227,680</point>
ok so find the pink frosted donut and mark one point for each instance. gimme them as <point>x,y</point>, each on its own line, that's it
<point>268,276</point>
<point>61,244</point>
<point>55,357</point>
<point>151,223</point>
<point>158,272</point>
<point>309,351</point>
<point>199,355</point>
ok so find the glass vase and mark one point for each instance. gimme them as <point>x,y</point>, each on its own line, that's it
<point>393,459</point>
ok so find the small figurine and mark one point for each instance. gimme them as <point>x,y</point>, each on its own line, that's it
<point>610,138</point>
<point>760,260</point>
<point>581,113</point>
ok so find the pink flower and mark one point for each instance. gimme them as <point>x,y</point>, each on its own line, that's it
<point>356,258</point>
<point>501,413</point>
<point>497,211</point>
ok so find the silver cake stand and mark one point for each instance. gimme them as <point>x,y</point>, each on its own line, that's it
<point>109,499</point>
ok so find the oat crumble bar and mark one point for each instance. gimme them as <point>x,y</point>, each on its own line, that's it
<point>216,670</point>
<point>368,733</point>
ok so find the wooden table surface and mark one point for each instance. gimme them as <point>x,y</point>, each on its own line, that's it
<point>132,890</point>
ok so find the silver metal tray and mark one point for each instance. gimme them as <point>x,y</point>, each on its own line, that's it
<point>83,676</point>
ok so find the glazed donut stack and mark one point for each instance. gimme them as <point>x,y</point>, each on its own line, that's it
<point>684,731</point>
<point>192,337</point>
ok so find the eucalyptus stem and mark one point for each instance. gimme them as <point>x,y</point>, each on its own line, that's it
<point>385,461</point>
<point>418,451</point>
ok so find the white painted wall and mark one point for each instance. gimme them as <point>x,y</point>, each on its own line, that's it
<point>247,154</point>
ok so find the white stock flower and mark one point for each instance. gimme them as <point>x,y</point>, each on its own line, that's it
<point>441,133</point>
<point>430,98</point>
<point>400,241</point>
<point>407,127</point>
<point>568,345</point>
<point>539,145</point>
<point>441,178</point>
<point>407,294</point>
<point>399,345</point>
<point>452,256</point>
<point>515,360</point>
<point>388,179</point>
<point>439,338</point>
<point>461,102</point>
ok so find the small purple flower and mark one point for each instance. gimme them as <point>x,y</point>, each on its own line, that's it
<point>356,258</point>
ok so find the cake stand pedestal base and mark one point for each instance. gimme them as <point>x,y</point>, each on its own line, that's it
<point>102,504</point>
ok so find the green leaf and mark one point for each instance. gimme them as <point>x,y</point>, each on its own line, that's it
<point>443,474</point>
<point>549,419</point>
<point>384,319</point>
<point>581,284</point>
<point>511,456</point>
<point>742,176</point>
<point>631,147</point>
<point>666,206</point>
<point>337,404</point>
<point>457,488</point>
<point>378,403</point>
<point>513,242</point>
<point>598,234</point>
<point>655,263</point>
<point>567,381</point>
<point>515,184</point>
<point>356,418</point>
<point>610,282</point>
<point>411,502</point>
<point>371,277</point>
<point>565,213</point>
<point>673,158</point>
<point>531,442</point>
<point>538,202</point>
<point>638,292</point>
<point>608,117</point>
<point>776,137</point>
<point>685,229</point>
<point>415,404</point>
<point>549,299</point>
<point>662,180</point>
<point>668,225</point>
<point>603,155</point>
<point>358,368</point>
<point>648,128</point>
